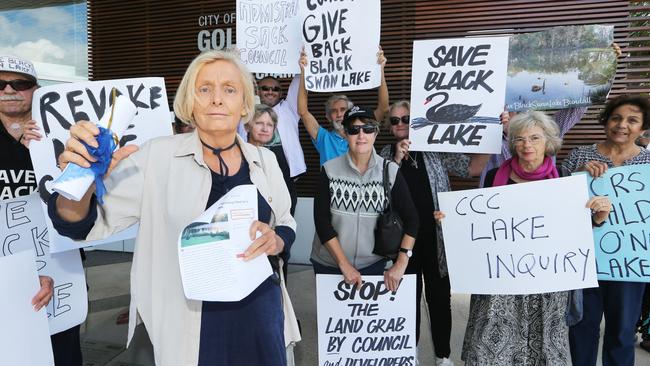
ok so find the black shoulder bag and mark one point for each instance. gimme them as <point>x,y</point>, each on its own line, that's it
<point>389,230</point>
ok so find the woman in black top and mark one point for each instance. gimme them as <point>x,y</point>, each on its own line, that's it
<point>261,131</point>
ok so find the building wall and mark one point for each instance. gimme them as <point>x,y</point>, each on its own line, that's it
<point>159,38</point>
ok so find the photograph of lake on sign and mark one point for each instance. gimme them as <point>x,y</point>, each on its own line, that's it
<point>562,67</point>
<point>201,232</point>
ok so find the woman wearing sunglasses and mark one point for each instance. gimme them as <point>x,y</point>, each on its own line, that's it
<point>426,174</point>
<point>349,199</point>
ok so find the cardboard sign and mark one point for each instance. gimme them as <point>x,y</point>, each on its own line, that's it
<point>517,239</point>
<point>268,36</point>
<point>24,229</point>
<point>341,40</point>
<point>623,242</point>
<point>561,67</point>
<point>24,338</point>
<point>55,108</point>
<point>457,94</point>
<point>369,325</point>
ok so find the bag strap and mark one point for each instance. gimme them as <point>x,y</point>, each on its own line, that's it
<point>386,184</point>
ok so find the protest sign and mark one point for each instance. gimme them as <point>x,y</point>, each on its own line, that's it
<point>24,229</point>
<point>341,40</point>
<point>524,238</point>
<point>369,325</point>
<point>268,36</point>
<point>457,94</point>
<point>24,337</point>
<point>622,243</point>
<point>562,67</point>
<point>55,108</point>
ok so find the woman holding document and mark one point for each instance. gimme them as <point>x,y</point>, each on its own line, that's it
<point>524,329</point>
<point>215,94</point>
<point>624,120</point>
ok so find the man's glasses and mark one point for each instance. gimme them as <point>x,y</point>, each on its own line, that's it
<point>355,129</point>
<point>270,88</point>
<point>533,139</point>
<point>396,120</point>
<point>19,84</point>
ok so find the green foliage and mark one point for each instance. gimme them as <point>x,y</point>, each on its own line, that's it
<point>585,36</point>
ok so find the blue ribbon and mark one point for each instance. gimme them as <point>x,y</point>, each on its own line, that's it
<point>103,153</point>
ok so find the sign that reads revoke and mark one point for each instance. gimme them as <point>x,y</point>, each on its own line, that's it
<point>368,325</point>
<point>623,242</point>
<point>57,107</point>
<point>341,40</point>
<point>524,238</point>
<point>457,94</point>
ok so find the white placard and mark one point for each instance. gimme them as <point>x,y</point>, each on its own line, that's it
<point>457,94</point>
<point>341,39</point>
<point>369,325</point>
<point>24,335</point>
<point>56,107</point>
<point>524,238</point>
<point>24,229</point>
<point>210,249</point>
<point>268,35</point>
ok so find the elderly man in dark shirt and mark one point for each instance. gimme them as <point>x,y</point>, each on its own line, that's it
<point>17,85</point>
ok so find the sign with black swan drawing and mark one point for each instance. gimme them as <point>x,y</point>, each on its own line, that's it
<point>457,94</point>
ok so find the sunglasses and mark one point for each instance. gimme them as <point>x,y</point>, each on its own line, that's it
<point>396,120</point>
<point>355,129</point>
<point>19,85</point>
<point>269,88</point>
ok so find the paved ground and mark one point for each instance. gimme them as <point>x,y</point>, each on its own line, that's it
<point>104,340</point>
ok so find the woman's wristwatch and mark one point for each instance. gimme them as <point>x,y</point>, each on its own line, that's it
<point>408,252</point>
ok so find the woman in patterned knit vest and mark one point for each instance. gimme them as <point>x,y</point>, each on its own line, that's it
<point>350,198</point>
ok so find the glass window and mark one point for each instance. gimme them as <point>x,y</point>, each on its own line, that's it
<point>53,37</point>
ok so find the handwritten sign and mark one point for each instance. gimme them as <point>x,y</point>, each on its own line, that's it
<point>523,238</point>
<point>23,229</point>
<point>341,40</point>
<point>369,325</point>
<point>24,338</point>
<point>623,242</point>
<point>55,108</point>
<point>457,94</point>
<point>268,36</point>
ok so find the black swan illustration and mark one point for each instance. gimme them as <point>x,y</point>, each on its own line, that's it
<point>452,113</point>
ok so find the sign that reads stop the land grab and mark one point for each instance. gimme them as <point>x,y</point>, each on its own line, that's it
<point>365,325</point>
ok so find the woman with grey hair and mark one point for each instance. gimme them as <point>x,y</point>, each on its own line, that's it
<point>524,329</point>
<point>427,173</point>
<point>214,94</point>
<point>262,130</point>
